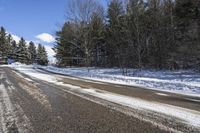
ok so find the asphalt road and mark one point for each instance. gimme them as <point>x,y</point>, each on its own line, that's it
<point>35,106</point>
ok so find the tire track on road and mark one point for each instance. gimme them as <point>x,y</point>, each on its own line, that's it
<point>12,117</point>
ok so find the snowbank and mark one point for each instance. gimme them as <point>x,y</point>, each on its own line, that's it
<point>184,82</point>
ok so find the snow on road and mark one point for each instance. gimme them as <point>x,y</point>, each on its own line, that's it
<point>190,117</point>
<point>12,117</point>
<point>193,117</point>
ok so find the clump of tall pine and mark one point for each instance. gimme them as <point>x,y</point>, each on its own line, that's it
<point>159,34</point>
<point>11,51</point>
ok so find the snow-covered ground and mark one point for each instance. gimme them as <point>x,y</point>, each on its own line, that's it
<point>184,82</point>
<point>188,116</point>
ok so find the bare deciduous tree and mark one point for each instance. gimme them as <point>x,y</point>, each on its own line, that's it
<point>80,12</point>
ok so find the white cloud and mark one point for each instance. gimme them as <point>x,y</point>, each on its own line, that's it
<point>49,51</point>
<point>27,42</point>
<point>45,37</point>
<point>16,38</point>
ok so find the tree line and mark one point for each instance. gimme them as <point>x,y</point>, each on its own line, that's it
<point>11,51</point>
<point>159,34</point>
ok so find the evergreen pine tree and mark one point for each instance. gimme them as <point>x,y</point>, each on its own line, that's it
<point>32,52</point>
<point>66,52</point>
<point>3,48</point>
<point>9,40</point>
<point>13,54</point>
<point>22,52</point>
<point>187,16</point>
<point>157,46</point>
<point>116,41</point>
<point>97,33</point>
<point>42,58</point>
<point>138,34</point>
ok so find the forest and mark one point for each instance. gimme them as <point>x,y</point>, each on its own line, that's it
<point>155,34</point>
<point>23,51</point>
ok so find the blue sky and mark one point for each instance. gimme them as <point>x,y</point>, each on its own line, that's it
<point>29,18</point>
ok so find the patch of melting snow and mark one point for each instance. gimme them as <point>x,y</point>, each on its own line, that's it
<point>194,100</point>
<point>28,79</point>
<point>37,94</point>
<point>162,94</point>
<point>18,74</point>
